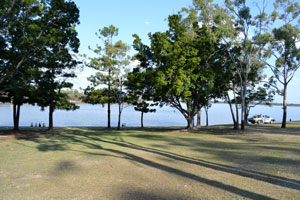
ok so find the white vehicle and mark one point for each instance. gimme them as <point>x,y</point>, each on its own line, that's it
<point>259,119</point>
<point>268,120</point>
<point>256,119</point>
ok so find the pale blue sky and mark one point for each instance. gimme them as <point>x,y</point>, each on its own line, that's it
<point>136,17</point>
<point>130,16</point>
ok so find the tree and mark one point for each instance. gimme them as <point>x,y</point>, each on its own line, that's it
<point>255,94</point>
<point>41,34</point>
<point>19,92</point>
<point>16,29</point>
<point>143,107</point>
<point>250,46</point>
<point>240,30</point>
<point>180,66</point>
<point>18,36</point>
<point>122,71</point>
<point>73,94</point>
<point>283,47</point>
<point>206,107</point>
<point>256,97</point>
<point>139,89</point>
<point>110,66</point>
<point>8,10</point>
<point>57,61</point>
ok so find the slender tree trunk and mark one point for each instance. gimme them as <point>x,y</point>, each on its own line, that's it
<point>142,119</point>
<point>247,114</point>
<point>119,117</point>
<point>199,119</point>
<point>235,123</point>
<point>236,109</point>
<point>108,115</point>
<point>246,117</point>
<point>51,110</point>
<point>206,114</point>
<point>244,86</point>
<point>108,103</point>
<point>16,116</point>
<point>283,124</point>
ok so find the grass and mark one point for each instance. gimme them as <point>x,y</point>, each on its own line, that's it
<point>96,163</point>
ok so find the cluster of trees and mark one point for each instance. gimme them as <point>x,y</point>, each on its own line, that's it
<point>209,52</point>
<point>74,95</point>
<point>37,40</point>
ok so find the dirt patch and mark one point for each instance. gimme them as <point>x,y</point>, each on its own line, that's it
<point>7,137</point>
<point>25,135</point>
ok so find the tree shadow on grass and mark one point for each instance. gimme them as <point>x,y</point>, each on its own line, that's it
<point>146,195</point>
<point>138,159</point>
<point>276,180</point>
<point>94,139</point>
<point>272,129</point>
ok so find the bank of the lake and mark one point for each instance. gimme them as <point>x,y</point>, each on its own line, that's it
<point>96,115</point>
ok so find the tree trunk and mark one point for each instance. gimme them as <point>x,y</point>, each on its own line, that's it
<point>189,118</point>
<point>283,124</point>
<point>108,114</point>
<point>235,123</point>
<point>190,122</point>
<point>246,117</point>
<point>108,103</point>
<point>206,113</point>
<point>247,114</point>
<point>119,117</point>
<point>142,120</point>
<point>199,119</point>
<point>236,111</point>
<point>51,110</point>
<point>244,89</point>
<point>16,116</point>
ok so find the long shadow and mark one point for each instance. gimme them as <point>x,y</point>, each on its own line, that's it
<point>233,189</point>
<point>276,180</point>
<point>275,130</point>
<point>150,195</point>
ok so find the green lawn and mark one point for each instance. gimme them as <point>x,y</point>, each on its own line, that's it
<point>95,163</point>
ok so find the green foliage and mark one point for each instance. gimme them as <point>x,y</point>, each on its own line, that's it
<point>110,61</point>
<point>182,68</point>
<point>36,42</point>
<point>56,62</point>
<point>111,65</point>
<point>139,90</point>
<point>283,48</point>
<point>99,96</point>
<point>73,95</point>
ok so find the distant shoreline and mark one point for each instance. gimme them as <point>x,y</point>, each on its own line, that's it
<point>272,104</point>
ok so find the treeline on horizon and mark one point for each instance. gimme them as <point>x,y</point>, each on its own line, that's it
<point>208,53</point>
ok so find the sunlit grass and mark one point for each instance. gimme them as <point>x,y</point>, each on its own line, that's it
<point>154,163</point>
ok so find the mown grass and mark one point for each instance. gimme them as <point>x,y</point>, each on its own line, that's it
<point>155,163</point>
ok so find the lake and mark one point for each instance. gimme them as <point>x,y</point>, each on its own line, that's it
<point>96,115</point>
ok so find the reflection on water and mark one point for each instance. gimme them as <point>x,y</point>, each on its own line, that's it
<point>96,115</point>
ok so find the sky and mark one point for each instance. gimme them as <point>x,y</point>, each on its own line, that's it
<point>135,17</point>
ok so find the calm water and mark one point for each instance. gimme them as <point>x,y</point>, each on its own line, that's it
<point>96,115</point>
